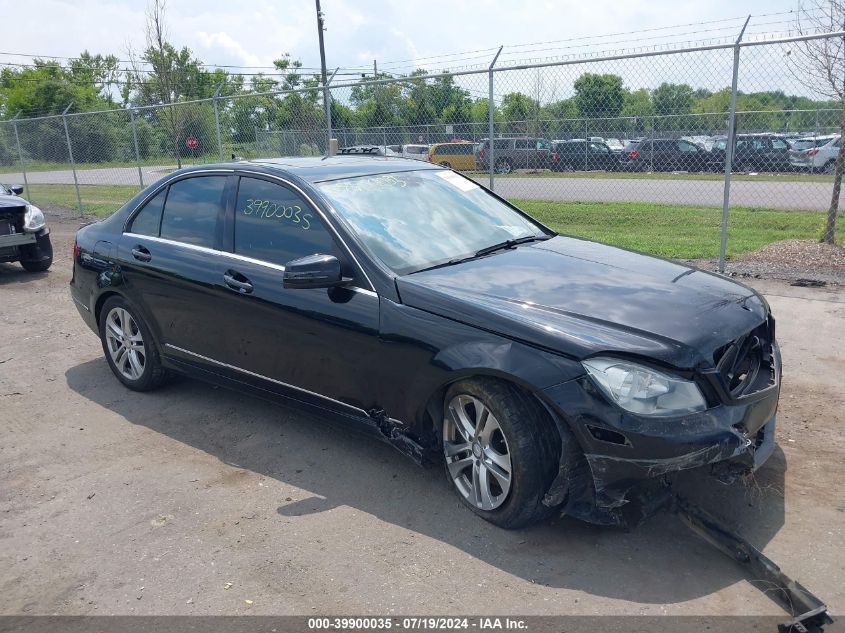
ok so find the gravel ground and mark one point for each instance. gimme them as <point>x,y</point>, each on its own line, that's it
<point>196,500</point>
<point>800,262</point>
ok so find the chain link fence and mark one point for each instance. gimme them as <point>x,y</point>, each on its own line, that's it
<point>597,146</point>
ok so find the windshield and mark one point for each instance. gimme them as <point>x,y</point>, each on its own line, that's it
<point>419,219</point>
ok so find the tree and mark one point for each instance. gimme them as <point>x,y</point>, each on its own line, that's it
<point>820,66</point>
<point>599,95</point>
<point>517,109</point>
<point>672,99</point>
<point>174,75</point>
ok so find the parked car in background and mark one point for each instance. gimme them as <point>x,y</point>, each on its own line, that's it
<point>515,153</point>
<point>583,156</point>
<point>663,154</point>
<point>368,150</point>
<point>753,153</point>
<point>24,236</point>
<point>418,152</point>
<point>819,158</point>
<point>459,155</point>
<point>616,145</point>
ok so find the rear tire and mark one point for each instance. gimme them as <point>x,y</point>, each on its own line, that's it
<point>501,451</point>
<point>503,166</point>
<point>129,347</point>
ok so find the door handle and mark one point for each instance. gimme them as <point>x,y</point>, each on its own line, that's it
<point>241,285</point>
<point>141,254</point>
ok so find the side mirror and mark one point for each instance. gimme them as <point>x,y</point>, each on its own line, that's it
<point>314,271</point>
<point>16,189</point>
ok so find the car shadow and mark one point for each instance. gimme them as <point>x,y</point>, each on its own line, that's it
<point>657,563</point>
<point>13,273</point>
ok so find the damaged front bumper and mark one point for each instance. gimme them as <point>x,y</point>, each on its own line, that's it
<point>622,451</point>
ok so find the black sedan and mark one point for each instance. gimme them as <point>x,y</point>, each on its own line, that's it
<point>547,373</point>
<point>24,236</point>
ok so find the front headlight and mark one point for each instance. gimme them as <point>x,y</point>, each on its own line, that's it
<point>33,219</point>
<point>643,390</point>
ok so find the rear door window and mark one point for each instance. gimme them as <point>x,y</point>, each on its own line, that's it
<point>274,224</point>
<point>148,219</point>
<point>192,208</point>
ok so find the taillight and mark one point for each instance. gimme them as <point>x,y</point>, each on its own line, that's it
<point>633,154</point>
<point>481,153</point>
<point>75,249</point>
<point>554,155</point>
<point>812,152</point>
<point>428,158</point>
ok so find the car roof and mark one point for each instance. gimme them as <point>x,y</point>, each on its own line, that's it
<point>317,168</point>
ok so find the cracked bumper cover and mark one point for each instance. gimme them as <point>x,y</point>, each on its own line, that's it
<point>623,450</point>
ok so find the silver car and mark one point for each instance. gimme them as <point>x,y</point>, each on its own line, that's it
<point>815,153</point>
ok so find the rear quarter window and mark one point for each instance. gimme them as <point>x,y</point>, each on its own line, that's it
<point>148,219</point>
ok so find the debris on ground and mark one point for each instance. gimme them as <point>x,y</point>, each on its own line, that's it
<point>807,263</point>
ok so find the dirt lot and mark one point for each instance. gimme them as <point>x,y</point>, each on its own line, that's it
<point>195,500</point>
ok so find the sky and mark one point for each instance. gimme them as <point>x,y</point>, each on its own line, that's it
<point>395,32</point>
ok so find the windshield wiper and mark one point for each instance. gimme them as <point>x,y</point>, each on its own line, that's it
<point>486,251</point>
<point>510,244</point>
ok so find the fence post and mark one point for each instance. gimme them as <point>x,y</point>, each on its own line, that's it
<point>135,143</point>
<point>70,156</point>
<point>490,111</point>
<point>215,98</point>
<point>20,157</point>
<point>327,102</point>
<point>729,152</point>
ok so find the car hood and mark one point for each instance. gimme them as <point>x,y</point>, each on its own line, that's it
<point>7,200</point>
<point>579,298</point>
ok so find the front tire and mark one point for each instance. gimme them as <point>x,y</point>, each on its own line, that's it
<point>44,253</point>
<point>501,451</point>
<point>129,347</point>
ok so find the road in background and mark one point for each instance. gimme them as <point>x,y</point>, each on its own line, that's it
<point>789,194</point>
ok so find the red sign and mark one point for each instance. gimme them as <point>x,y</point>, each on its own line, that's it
<point>192,142</point>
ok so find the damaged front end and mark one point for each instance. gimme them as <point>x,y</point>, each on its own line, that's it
<point>625,454</point>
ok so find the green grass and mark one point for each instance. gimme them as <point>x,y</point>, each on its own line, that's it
<point>99,200</point>
<point>683,232</point>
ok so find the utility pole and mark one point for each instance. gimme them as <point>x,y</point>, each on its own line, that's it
<point>326,94</point>
<point>320,28</point>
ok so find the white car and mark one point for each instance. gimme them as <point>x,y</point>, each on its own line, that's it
<point>418,152</point>
<point>820,159</point>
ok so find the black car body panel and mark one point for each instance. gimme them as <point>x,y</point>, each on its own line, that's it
<point>753,152</point>
<point>583,156</point>
<point>664,154</point>
<point>379,353</point>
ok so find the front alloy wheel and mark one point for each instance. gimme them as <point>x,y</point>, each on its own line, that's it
<point>501,450</point>
<point>476,453</point>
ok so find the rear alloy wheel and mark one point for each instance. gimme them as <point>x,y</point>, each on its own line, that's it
<point>501,451</point>
<point>129,348</point>
<point>503,166</point>
<point>829,167</point>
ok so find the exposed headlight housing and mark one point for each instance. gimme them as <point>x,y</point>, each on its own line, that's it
<point>643,390</point>
<point>33,219</point>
